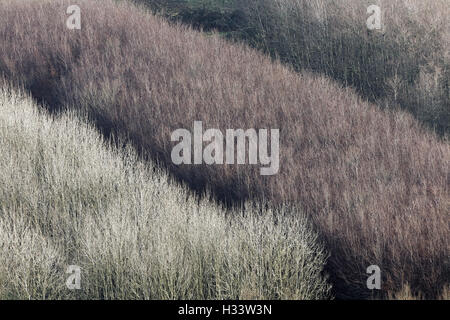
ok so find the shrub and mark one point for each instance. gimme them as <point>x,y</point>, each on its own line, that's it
<point>391,67</point>
<point>374,183</point>
<point>69,198</point>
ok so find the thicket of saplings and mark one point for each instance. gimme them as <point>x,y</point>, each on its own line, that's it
<point>69,198</point>
<point>404,65</point>
<point>374,183</point>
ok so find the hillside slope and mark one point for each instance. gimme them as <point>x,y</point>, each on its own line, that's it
<point>404,64</point>
<point>374,183</point>
<point>67,198</point>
